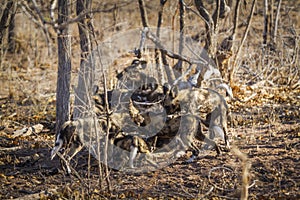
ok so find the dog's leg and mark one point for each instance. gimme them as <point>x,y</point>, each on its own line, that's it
<point>201,137</point>
<point>226,138</point>
<point>195,153</point>
<point>76,147</point>
<point>224,124</point>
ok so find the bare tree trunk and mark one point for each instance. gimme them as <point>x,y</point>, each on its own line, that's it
<point>83,27</point>
<point>159,67</point>
<point>233,36</point>
<point>212,24</point>
<point>266,16</point>
<point>216,15</point>
<point>165,67</point>
<point>64,67</point>
<point>235,19</point>
<point>7,11</point>
<point>86,71</point>
<point>181,26</point>
<point>212,34</point>
<point>86,80</point>
<point>11,30</point>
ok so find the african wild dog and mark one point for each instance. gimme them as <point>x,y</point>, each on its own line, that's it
<point>206,101</point>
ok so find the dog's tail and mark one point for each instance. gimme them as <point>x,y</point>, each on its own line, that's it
<point>57,147</point>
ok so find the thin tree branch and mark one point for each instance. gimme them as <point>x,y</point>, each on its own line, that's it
<point>75,19</point>
<point>242,43</point>
<point>271,20</point>
<point>171,54</point>
<point>276,22</point>
<point>204,13</point>
<point>211,29</point>
<point>181,26</point>
<point>216,14</point>
<point>235,18</point>
<point>189,8</point>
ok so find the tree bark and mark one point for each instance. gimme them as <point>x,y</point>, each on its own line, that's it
<point>11,30</point>
<point>64,67</point>
<point>11,34</point>
<point>143,13</point>
<point>275,27</point>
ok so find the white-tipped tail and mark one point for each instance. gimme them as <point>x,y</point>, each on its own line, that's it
<point>219,131</point>
<point>133,153</point>
<point>56,148</point>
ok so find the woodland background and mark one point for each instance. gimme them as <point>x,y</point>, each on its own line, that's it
<point>261,66</point>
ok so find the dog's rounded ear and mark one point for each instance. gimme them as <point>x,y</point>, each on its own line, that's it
<point>95,89</point>
<point>174,92</point>
<point>143,64</point>
<point>135,62</point>
<point>152,82</point>
<point>120,75</point>
<point>166,88</point>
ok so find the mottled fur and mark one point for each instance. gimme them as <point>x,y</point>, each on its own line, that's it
<point>206,102</point>
<point>134,144</point>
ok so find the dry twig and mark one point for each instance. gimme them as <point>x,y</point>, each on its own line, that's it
<point>245,174</point>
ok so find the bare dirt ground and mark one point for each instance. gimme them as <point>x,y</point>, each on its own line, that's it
<point>266,129</point>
